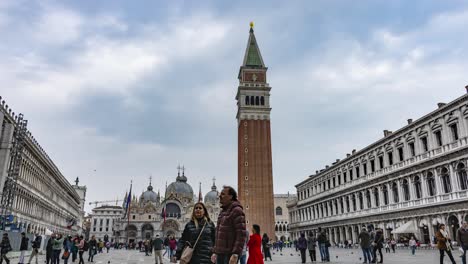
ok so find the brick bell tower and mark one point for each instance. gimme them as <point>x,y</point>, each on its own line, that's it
<point>255,172</point>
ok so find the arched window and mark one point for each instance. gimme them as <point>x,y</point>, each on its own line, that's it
<point>279,211</point>
<point>361,201</point>
<point>385,194</point>
<point>353,201</point>
<point>341,205</point>
<point>431,186</point>
<point>347,204</point>
<point>395,192</point>
<point>247,101</point>
<point>462,176</point>
<point>336,206</point>
<point>376,197</point>
<point>276,228</point>
<point>257,100</point>
<point>262,100</point>
<point>368,198</point>
<point>417,187</point>
<point>406,192</point>
<point>446,180</point>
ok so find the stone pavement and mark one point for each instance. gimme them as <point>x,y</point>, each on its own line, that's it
<point>289,256</point>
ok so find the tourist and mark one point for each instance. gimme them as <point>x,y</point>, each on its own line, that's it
<point>230,232</point>
<point>35,244</point>
<point>462,238</point>
<point>198,233</point>
<point>74,247</point>
<point>158,245</point>
<point>23,247</point>
<point>254,246</point>
<point>146,245</point>
<point>387,246</point>
<point>378,245</point>
<point>323,246</point>
<point>302,246</point>
<point>67,249</point>
<point>393,244</point>
<point>412,245</point>
<point>81,248</point>
<point>243,257</point>
<point>166,246</point>
<point>365,243</point>
<point>266,246</point>
<point>49,250</point>
<point>172,246</point>
<point>311,245</point>
<point>444,244</point>
<point>92,248</point>
<point>57,245</point>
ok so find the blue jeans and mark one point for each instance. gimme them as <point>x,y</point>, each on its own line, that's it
<point>413,249</point>
<point>243,259</point>
<point>463,257</point>
<point>222,259</point>
<point>367,254</point>
<point>324,252</point>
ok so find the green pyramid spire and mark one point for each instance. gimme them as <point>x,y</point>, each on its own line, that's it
<point>252,57</point>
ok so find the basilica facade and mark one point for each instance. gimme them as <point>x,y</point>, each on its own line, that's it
<point>406,183</point>
<point>152,214</point>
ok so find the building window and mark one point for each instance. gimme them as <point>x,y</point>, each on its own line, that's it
<point>353,201</point>
<point>385,194</point>
<point>395,192</point>
<point>412,150</point>
<point>94,229</point>
<point>406,192</point>
<point>341,205</point>
<point>100,222</point>
<point>262,100</point>
<point>390,158</point>
<point>279,211</point>
<point>400,154</point>
<point>334,182</point>
<point>361,201</point>
<point>107,229</point>
<point>357,172</point>
<point>348,208</point>
<point>381,164</point>
<point>95,222</point>
<point>446,180</point>
<point>462,176</point>
<point>107,222</point>
<point>257,100</point>
<point>424,144</point>
<point>438,136</point>
<point>368,198</point>
<point>454,129</point>
<point>149,217</point>
<point>133,216</point>
<point>417,187</point>
<point>364,166</point>
<point>247,101</point>
<point>339,179</point>
<point>100,229</point>
<point>350,174</point>
<point>431,186</point>
<point>372,166</point>
<point>345,177</point>
<point>376,197</point>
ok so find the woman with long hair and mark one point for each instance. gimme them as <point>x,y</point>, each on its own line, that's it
<point>255,242</point>
<point>444,244</point>
<point>199,226</point>
<point>266,245</point>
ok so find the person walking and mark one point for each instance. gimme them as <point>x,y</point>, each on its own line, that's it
<point>365,243</point>
<point>166,246</point>
<point>462,239</point>
<point>49,250</point>
<point>444,244</point>
<point>302,246</point>
<point>378,244</point>
<point>92,248</point>
<point>74,248</point>
<point>387,246</point>
<point>254,246</point>
<point>393,244</point>
<point>5,247</point>
<point>81,249</point>
<point>35,244</point>
<point>23,247</point>
<point>172,247</point>
<point>158,245</point>
<point>311,245</point>
<point>266,246</point>
<point>57,245</point>
<point>323,246</point>
<point>243,256</point>
<point>412,245</point>
<point>198,233</point>
<point>231,231</point>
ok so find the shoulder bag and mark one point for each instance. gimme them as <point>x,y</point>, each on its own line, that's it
<point>187,252</point>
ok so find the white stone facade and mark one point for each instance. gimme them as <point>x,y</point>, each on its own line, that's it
<point>282,215</point>
<point>417,174</point>
<point>44,198</point>
<point>103,219</point>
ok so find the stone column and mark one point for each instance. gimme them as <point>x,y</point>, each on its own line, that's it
<point>381,195</point>
<point>424,190</point>
<point>438,182</point>
<point>372,198</point>
<point>454,181</point>
<point>390,193</point>
<point>400,191</point>
<point>411,188</point>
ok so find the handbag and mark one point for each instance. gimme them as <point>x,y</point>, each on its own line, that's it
<point>187,252</point>
<point>66,255</point>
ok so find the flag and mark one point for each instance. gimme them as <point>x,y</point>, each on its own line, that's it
<point>127,203</point>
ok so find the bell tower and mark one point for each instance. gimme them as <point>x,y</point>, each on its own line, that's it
<point>255,172</point>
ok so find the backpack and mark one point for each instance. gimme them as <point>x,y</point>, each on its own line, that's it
<point>86,246</point>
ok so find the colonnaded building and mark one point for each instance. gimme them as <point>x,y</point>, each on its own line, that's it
<point>406,183</point>
<point>146,216</point>
<point>36,197</point>
<point>282,215</point>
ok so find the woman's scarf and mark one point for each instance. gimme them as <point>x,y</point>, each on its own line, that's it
<point>446,236</point>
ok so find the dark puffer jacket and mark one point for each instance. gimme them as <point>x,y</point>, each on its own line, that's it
<point>230,232</point>
<point>203,250</point>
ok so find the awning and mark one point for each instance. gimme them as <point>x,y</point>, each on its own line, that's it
<point>406,228</point>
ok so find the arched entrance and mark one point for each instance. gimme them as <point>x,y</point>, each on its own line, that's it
<point>131,233</point>
<point>147,231</point>
<point>453,226</point>
<point>171,228</point>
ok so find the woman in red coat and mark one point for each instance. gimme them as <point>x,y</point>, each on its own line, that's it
<point>254,245</point>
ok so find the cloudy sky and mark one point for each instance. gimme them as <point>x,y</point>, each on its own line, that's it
<point>121,90</point>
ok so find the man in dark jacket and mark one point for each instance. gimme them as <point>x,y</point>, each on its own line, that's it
<point>36,244</point>
<point>311,245</point>
<point>158,244</point>
<point>23,247</point>
<point>231,231</point>
<point>462,239</point>
<point>49,250</point>
<point>365,242</point>
<point>302,246</point>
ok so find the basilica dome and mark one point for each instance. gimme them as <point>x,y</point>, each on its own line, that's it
<point>212,197</point>
<point>181,188</point>
<point>149,195</point>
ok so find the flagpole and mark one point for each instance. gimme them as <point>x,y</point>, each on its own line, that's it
<point>129,201</point>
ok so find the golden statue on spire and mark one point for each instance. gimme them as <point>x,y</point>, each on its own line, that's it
<point>251,24</point>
